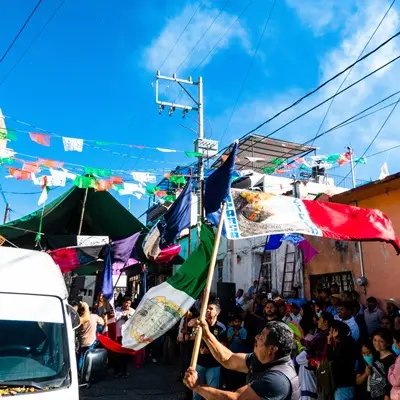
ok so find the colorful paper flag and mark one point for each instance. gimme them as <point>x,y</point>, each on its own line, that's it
<point>8,134</point>
<point>170,198</point>
<point>30,167</point>
<point>160,193</point>
<point>361,160</point>
<point>144,177</point>
<point>116,180</point>
<point>72,144</point>
<point>193,154</point>
<point>384,171</point>
<point>333,158</point>
<point>277,161</point>
<point>40,138</point>
<point>19,174</point>
<point>58,178</point>
<point>165,150</point>
<point>268,170</point>
<point>50,163</point>
<point>103,185</point>
<point>85,182</point>
<point>6,160</point>
<point>43,197</point>
<point>177,179</point>
<point>103,172</point>
<point>255,159</point>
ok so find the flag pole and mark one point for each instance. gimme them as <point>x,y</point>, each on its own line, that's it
<point>207,289</point>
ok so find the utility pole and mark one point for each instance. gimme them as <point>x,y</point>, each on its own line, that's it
<point>353,176</point>
<point>199,143</point>
<point>6,213</point>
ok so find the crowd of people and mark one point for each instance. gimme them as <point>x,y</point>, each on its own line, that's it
<point>341,350</point>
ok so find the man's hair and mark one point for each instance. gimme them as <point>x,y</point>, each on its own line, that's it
<point>326,290</point>
<point>241,290</point>
<point>271,302</point>
<point>216,305</point>
<point>281,336</point>
<point>127,298</point>
<point>386,335</point>
<point>342,328</point>
<point>348,305</point>
<point>372,299</point>
<point>396,336</point>
<point>328,317</point>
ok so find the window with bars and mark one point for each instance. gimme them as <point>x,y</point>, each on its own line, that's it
<point>344,280</point>
<point>266,269</point>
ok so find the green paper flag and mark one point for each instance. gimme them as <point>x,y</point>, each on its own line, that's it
<point>151,189</point>
<point>278,161</point>
<point>177,179</point>
<point>8,134</point>
<point>333,158</point>
<point>303,167</point>
<point>97,171</point>
<point>193,154</point>
<point>170,198</point>
<point>7,160</point>
<point>269,170</point>
<point>103,143</point>
<point>85,182</point>
<point>361,160</point>
<point>118,187</point>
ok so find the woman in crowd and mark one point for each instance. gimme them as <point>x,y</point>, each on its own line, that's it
<point>387,323</point>
<point>364,371</point>
<point>394,370</point>
<point>379,384</point>
<point>342,353</point>
<point>308,321</point>
<point>396,322</point>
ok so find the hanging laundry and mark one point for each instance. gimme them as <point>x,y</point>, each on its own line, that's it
<point>50,163</point>
<point>165,150</point>
<point>40,138</point>
<point>384,171</point>
<point>72,144</point>
<point>58,178</point>
<point>30,167</point>
<point>143,177</point>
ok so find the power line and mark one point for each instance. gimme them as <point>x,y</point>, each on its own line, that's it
<point>351,69</point>
<point>202,36</point>
<point>324,84</point>
<point>20,31</point>
<point>249,69</point>
<point>222,37</point>
<point>32,42</point>
<point>181,34</point>
<point>382,151</point>
<point>376,136</point>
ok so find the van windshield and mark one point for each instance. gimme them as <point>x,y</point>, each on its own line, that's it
<point>33,341</point>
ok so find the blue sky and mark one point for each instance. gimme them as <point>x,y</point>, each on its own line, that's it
<point>89,75</point>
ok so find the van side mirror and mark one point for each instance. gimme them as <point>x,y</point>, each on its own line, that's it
<point>94,366</point>
<point>75,318</point>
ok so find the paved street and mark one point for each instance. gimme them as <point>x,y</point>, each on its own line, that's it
<point>153,381</point>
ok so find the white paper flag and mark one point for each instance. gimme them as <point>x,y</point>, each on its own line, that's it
<point>144,177</point>
<point>138,195</point>
<point>132,188</point>
<point>255,159</point>
<point>43,197</point>
<point>165,150</point>
<point>72,144</point>
<point>59,178</point>
<point>384,171</point>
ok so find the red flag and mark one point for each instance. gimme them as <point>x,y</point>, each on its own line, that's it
<point>113,346</point>
<point>40,138</point>
<point>103,185</point>
<point>116,180</point>
<point>50,163</point>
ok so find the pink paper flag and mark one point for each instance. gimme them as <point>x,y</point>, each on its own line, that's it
<point>40,138</point>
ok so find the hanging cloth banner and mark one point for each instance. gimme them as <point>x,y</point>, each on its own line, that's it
<point>251,214</point>
<point>72,144</point>
<point>40,138</point>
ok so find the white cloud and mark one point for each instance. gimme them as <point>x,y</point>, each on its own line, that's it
<point>322,16</point>
<point>155,54</point>
<point>354,33</point>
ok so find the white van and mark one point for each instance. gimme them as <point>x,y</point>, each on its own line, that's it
<point>37,338</point>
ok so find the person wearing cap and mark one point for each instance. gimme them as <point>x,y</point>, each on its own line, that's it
<point>335,298</point>
<point>392,307</point>
<point>373,315</point>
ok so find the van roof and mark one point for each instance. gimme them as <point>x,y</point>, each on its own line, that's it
<point>31,272</point>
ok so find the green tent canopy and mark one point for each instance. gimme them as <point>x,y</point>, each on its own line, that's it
<point>104,216</point>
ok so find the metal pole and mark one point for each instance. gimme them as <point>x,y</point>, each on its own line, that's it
<point>201,136</point>
<point>82,212</point>
<point>353,176</point>
<point>6,213</point>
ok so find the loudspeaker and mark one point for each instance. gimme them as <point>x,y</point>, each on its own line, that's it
<point>226,293</point>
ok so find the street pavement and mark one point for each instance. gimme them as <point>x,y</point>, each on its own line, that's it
<point>152,381</point>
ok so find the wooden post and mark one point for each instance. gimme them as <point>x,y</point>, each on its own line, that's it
<point>83,212</point>
<point>207,289</point>
<point>6,213</point>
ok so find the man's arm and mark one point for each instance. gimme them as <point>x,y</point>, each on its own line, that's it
<point>222,354</point>
<point>86,313</point>
<point>208,393</point>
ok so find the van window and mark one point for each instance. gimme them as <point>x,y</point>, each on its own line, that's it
<point>33,341</point>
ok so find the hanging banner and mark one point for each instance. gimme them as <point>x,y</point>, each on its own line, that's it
<point>252,214</point>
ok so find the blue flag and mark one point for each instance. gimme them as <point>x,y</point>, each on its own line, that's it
<point>273,242</point>
<point>218,185</point>
<point>177,218</point>
<point>107,288</point>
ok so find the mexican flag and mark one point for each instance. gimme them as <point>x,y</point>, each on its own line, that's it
<point>164,305</point>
